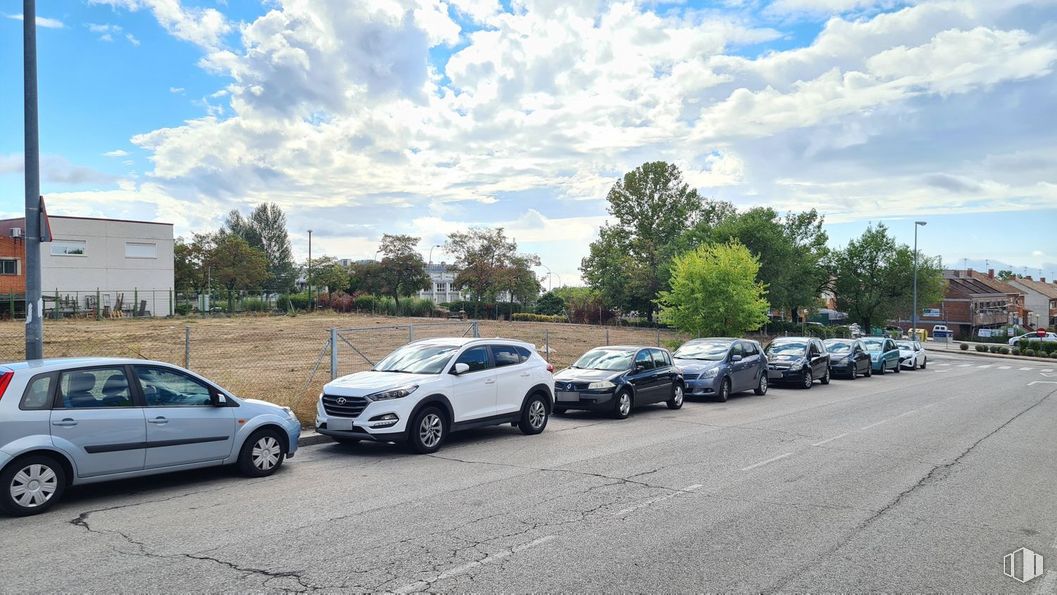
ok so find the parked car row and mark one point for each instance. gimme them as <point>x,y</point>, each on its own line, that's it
<point>75,421</point>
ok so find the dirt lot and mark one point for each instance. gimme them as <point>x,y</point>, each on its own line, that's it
<point>286,359</point>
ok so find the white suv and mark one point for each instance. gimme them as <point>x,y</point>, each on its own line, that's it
<point>424,390</point>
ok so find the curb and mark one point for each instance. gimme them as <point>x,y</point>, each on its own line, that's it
<point>1016,358</point>
<point>311,439</point>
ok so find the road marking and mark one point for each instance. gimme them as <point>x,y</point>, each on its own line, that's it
<point>1003,367</point>
<point>987,366</point>
<point>965,365</point>
<point>874,425</point>
<point>1046,370</point>
<point>1048,584</point>
<point>938,371</point>
<point>420,585</point>
<point>943,364</point>
<point>830,439</point>
<point>1042,382</point>
<point>652,501</point>
<point>906,413</point>
<point>768,461</point>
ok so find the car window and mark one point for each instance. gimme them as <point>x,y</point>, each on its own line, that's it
<point>737,349</point>
<point>667,358</point>
<point>165,387</point>
<point>523,353</point>
<point>95,387</point>
<point>644,359</point>
<point>505,355</point>
<point>749,349</point>
<point>38,393</point>
<point>475,357</point>
<point>658,358</point>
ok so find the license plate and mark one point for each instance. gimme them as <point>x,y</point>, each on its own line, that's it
<point>568,396</point>
<point>337,423</point>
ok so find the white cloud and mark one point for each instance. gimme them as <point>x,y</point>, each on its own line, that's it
<point>45,22</point>
<point>116,153</point>
<point>177,90</point>
<point>132,39</point>
<point>204,27</point>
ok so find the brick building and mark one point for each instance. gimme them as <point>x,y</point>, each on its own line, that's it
<point>972,301</point>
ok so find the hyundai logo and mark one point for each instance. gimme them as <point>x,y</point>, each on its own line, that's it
<point>342,400</point>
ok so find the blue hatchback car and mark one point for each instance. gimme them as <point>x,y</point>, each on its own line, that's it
<point>719,367</point>
<point>66,422</point>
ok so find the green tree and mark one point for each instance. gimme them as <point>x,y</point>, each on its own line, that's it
<point>190,262</point>
<point>366,277</point>
<point>715,292</point>
<point>550,304</point>
<point>487,264</point>
<point>875,278</point>
<point>652,206</point>
<point>402,269</point>
<point>584,305</point>
<point>1006,275</point>
<point>236,266</point>
<point>265,230</point>
<point>328,272</point>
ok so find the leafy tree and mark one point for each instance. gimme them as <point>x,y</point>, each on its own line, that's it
<point>715,292</point>
<point>367,277</point>
<point>328,272</point>
<point>584,305</point>
<point>402,269</point>
<point>550,304</point>
<point>875,278</point>
<point>652,206</point>
<point>265,229</point>
<point>190,262</point>
<point>1006,275</point>
<point>235,265</point>
<point>488,264</point>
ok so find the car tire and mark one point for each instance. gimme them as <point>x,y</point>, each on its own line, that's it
<point>898,368</point>
<point>923,362</point>
<point>724,390</point>
<point>622,404</point>
<point>761,386</point>
<point>20,496</point>
<point>869,371</point>
<point>560,410</point>
<point>882,370</point>
<point>428,431</point>
<point>809,379</point>
<point>262,453</point>
<point>825,379</point>
<point>345,441</point>
<point>534,415</point>
<point>678,397</point>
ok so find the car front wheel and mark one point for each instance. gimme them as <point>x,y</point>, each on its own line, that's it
<point>676,402</point>
<point>533,416</point>
<point>724,390</point>
<point>262,453</point>
<point>924,361</point>
<point>622,405</point>
<point>428,431</point>
<point>761,386</point>
<point>825,379</point>
<point>808,380</point>
<point>31,485</point>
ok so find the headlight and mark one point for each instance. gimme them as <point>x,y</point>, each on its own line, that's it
<point>396,393</point>
<point>710,373</point>
<point>797,366</point>
<point>603,385</point>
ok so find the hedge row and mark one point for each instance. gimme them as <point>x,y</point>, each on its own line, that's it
<point>529,317</point>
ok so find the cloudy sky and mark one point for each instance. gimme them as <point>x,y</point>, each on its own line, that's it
<point>426,116</point>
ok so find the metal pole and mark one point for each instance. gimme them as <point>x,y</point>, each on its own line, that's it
<point>547,343</point>
<point>187,347</point>
<point>34,298</point>
<point>309,277</point>
<point>914,314</point>
<point>333,352</point>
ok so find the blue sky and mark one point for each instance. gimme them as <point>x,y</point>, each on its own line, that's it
<point>427,116</point>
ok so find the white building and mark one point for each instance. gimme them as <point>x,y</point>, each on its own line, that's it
<point>443,288</point>
<point>126,265</point>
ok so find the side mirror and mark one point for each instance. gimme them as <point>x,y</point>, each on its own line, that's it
<point>736,358</point>
<point>639,368</point>
<point>460,368</point>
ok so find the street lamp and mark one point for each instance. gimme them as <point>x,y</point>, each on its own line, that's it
<point>431,251</point>
<point>309,279</point>
<point>914,313</point>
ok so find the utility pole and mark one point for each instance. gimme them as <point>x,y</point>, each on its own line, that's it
<point>309,277</point>
<point>34,299</point>
<point>914,314</point>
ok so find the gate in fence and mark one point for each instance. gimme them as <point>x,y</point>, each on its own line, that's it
<point>353,350</point>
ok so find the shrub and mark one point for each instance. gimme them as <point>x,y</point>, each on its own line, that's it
<point>964,347</point>
<point>993,348</point>
<point>365,303</point>
<point>981,348</point>
<point>1015,351</point>
<point>528,317</point>
<point>549,304</point>
<point>1003,350</point>
<point>296,301</point>
<point>1053,355</point>
<point>1029,352</point>
<point>183,309</point>
<point>255,305</point>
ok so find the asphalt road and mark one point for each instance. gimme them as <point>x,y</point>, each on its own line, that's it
<point>919,481</point>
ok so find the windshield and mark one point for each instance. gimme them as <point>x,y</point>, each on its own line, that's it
<point>838,347</point>
<point>905,346</point>
<point>711,351</point>
<point>605,359</point>
<point>787,348</point>
<point>873,344</point>
<point>417,359</point>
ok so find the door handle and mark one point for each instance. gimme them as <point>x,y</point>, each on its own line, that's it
<point>525,374</point>
<point>158,420</point>
<point>490,381</point>
<point>65,422</point>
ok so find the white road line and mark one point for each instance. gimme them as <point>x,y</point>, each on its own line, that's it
<point>1047,585</point>
<point>912,411</point>
<point>938,371</point>
<point>943,364</point>
<point>830,439</point>
<point>1003,367</point>
<point>420,585</point>
<point>965,365</point>
<point>768,461</point>
<point>1026,369</point>
<point>874,425</point>
<point>987,366</point>
<point>652,501</point>
<point>1046,370</point>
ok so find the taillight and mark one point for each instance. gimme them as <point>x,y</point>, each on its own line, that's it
<point>4,381</point>
<point>550,368</point>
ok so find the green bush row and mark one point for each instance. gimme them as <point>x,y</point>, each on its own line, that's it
<point>529,317</point>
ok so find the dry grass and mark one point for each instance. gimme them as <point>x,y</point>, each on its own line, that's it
<point>273,358</point>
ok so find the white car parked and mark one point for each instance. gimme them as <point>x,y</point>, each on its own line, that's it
<point>424,390</point>
<point>911,355</point>
<point>1048,338</point>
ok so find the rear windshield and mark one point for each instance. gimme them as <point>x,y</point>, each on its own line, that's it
<point>708,351</point>
<point>787,348</point>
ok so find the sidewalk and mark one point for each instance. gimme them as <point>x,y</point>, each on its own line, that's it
<point>954,349</point>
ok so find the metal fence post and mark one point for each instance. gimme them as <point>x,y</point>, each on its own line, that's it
<point>658,336</point>
<point>476,330</point>
<point>410,332</point>
<point>333,352</point>
<point>547,343</point>
<point>187,347</point>
<point>607,335</point>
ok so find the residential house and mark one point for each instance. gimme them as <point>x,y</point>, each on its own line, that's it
<point>1040,299</point>
<point>972,301</point>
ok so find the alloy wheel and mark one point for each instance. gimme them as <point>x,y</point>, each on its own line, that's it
<point>430,430</point>
<point>266,453</point>
<point>34,485</point>
<point>537,414</point>
<point>624,405</point>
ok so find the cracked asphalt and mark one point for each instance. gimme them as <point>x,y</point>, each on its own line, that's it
<point>919,481</point>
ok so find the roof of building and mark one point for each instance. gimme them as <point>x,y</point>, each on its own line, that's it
<point>991,281</point>
<point>7,224</point>
<point>961,286</point>
<point>1047,289</point>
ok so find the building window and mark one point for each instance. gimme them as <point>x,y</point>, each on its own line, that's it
<point>8,266</point>
<point>67,248</point>
<point>141,250</point>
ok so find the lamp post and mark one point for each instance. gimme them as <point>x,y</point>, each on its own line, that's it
<point>309,278</point>
<point>431,251</point>
<point>33,294</point>
<point>914,313</point>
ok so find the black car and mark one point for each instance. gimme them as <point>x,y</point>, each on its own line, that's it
<point>617,378</point>
<point>797,360</point>
<point>848,357</point>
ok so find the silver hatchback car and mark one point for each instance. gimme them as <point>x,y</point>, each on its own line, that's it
<point>72,421</point>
